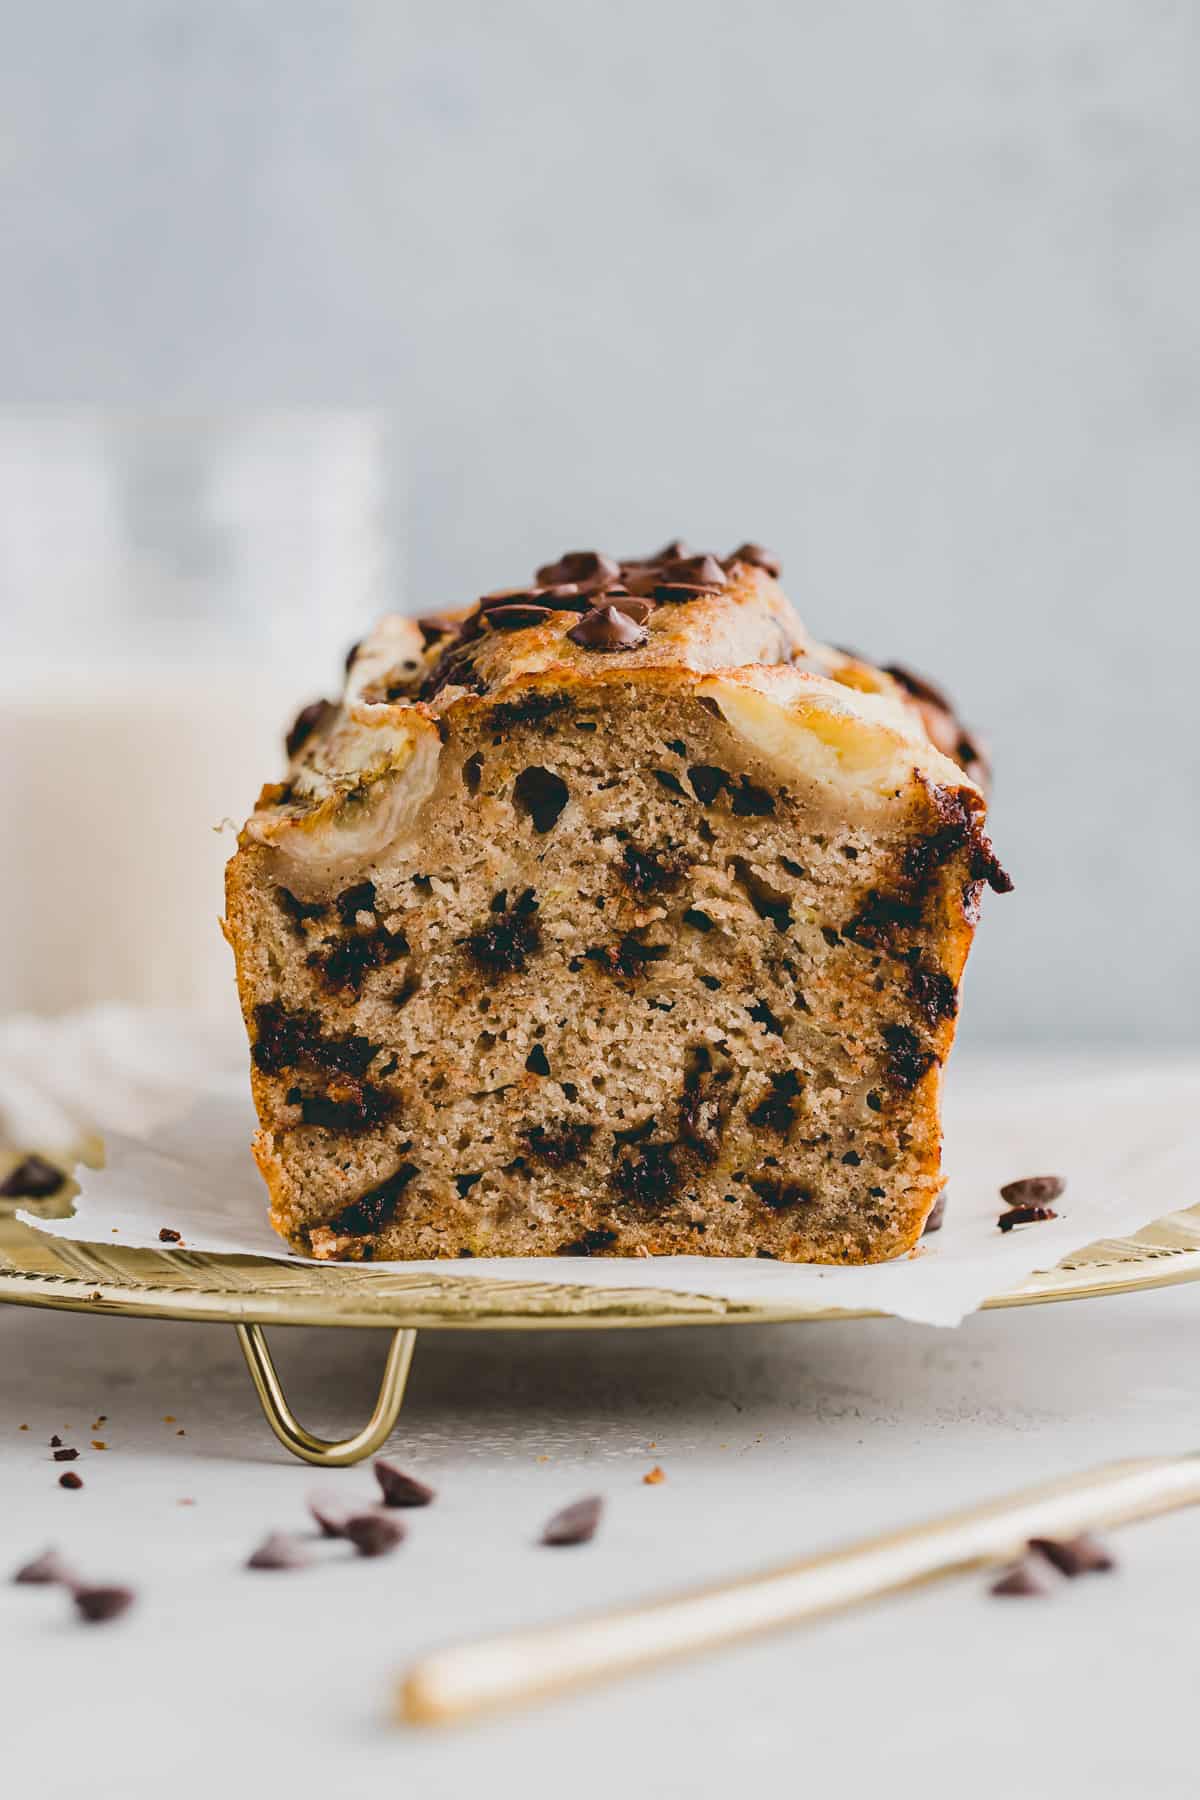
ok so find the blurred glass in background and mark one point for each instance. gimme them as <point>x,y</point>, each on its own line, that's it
<point>171,590</point>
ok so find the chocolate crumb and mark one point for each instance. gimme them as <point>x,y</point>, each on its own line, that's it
<point>537,1062</point>
<point>32,1179</point>
<point>574,1524</point>
<point>1025,1215</point>
<point>43,1571</point>
<point>1032,1190</point>
<point>167,1236</point>
<point>65,1455</point>
<point>400,1489</point>
<point>1082,1555</point>
<point>55,1441</point>
<point>1022,1581</point>
<point>278,1551</point>
<point>98,1605</point>
<point>70,1480</point>
<point>374,1533</point>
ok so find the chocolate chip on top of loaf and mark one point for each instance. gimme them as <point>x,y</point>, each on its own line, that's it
<point>611,915</point>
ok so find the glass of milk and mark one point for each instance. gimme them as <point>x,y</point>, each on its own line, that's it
<point>172,590</point>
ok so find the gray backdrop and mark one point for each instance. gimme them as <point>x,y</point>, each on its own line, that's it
<point>907,289</point>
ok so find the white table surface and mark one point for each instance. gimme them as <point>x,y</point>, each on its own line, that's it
<point>774,1440</point>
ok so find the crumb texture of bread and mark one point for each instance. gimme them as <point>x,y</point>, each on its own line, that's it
<point>615,916</point>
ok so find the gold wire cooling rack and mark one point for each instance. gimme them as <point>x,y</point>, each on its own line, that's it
<point>251,1293</point>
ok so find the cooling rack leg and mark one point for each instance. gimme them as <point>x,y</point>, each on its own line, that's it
<point>327,1453</point>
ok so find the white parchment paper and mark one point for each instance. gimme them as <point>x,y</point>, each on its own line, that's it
<point>1127,1138</point>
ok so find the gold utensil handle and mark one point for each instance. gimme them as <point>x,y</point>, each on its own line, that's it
<point>524,1666</point>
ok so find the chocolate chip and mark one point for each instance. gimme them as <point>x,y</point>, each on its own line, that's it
<point>70,1480</point>
<point>330,1520</point>
<point>648,1177</point>
<point>678,593</point>
<point>651,871</point>
<point>751,802</point>
<point>347,1105</point>
<point>579,566</point>
<point>762,1015</point>
<point>592,1243</point>
<point>516,617</point>
<point>778,1109</point>
<point>934,992</point>
<point>1082,1555</point>
<point>575,1524</point>
<point>919,686</point>
<point>286,1040</point>
<point>505,943</point>
<point>44,1571</point>
<point>32,1179</point>
<point>671,552</point>
<point>534,705</point>
<point>1025,1215</point>
<point>907,1062</point>
<point>65,1455</point>
<point>374,1533</point>
<point>937,1214</point>
<point>879,918</point>
<point>98,1605</point>
<point>634,608</point>
<point>400,1489</point>
<point>343,964</point>
<point>561,1145</point>
<point>55,1441</point>
<point>1024,1580</point>
<point>354,900</point>
<point>630,957</point>
<point>707,782</point>
<point>1032,1190</point>
<point>308,720</point>
<point>537,1062</point>
<point>377,1207</point>
<point>298,911</point>
<point>517,596</point>
<point>702,571</point>
<point>278,1551</point>
<point>778,1195</point>
<point>167,1236</point>
<point>604,628</point>
<point>540,795</point>
<point>757,557</point>
<point>436,625</point>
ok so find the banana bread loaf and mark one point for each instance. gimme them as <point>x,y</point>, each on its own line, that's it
<point>613,916</point>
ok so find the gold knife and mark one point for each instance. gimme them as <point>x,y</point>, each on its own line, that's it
<point>520,1667</point>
